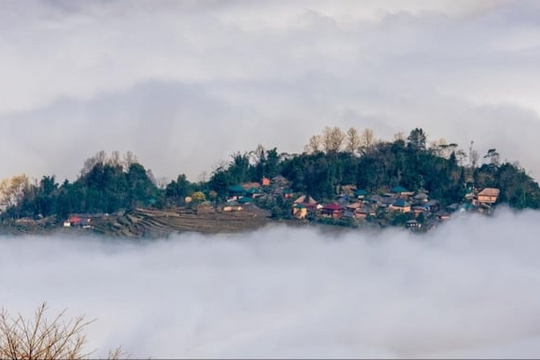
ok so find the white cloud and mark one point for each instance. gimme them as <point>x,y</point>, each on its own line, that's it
<point>468,289</point>
<point>77,78</point>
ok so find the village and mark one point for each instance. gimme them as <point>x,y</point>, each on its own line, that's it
<point>352,207</point>
<point>398,206</point>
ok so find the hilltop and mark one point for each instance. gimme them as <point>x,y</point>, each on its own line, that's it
<point>348,179</point>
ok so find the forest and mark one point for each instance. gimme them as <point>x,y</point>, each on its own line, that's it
<point>330,161</point>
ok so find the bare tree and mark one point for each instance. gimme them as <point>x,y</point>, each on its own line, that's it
<point>129,159</point>
<point>400,136</point>
<point>314,145</point>
<point>353,140</point>
<point>12,190</point>
<point>473,156</point>
<point>332,139</point>
<point>39,339</point>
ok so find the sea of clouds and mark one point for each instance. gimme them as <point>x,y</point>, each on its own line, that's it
<point>467,289</point>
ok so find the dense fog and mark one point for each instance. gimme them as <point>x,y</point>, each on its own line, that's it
<point>470,288</point>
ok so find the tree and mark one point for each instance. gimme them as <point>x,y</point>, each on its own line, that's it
<point>367,139</point>
<point>493,156</point>
<point>473,156</point>
<point>12,190</point>
<point>417,139</point>
<point>314,145</point>
<point>198,197</point>
<point>40,339</point>
<point>353,141</point>
<point>332,139</point>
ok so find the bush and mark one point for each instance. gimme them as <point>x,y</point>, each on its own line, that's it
<point>40,339</point>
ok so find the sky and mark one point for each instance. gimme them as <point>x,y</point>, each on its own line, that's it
<point>184,84</point>
<point>468,289</point>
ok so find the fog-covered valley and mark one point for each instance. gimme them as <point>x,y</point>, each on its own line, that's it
<point>470,288</point>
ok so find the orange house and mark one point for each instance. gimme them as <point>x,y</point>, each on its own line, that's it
<point>488,196</point>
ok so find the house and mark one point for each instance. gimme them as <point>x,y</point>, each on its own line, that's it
<point>421,198</point>
<point>280,181</point>
<point>305,199</point>
<point>249,185</point>
<point>401,191</point>
<point>245,200</point>
<point>232,206</point>
<point>433,205</point>
<point>442,215</point>
<point>364,212</point>
<point>423,209</point>
<point>361,193</point>
<point>413,224</point>
<point>488,196</point>
<point>332,210</point>
<point>236,191</point>
<point>343,199</point>
<point>300,211</point>
<point>354,206</point>
<point>78,221</point>
<point>253,192</point>
<point>401,206</point>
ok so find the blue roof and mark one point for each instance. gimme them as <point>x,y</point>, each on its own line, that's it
<point>236,188</point>
<point>401,203</point>
<point>399,189</point>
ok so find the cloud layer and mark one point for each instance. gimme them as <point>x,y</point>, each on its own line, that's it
<point>468,289</point>
<point>166,79</point>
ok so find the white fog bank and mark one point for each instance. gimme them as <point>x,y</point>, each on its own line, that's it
<point>468,289</point>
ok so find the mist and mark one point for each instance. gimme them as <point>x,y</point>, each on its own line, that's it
<point>467,289</point>
<point>156,76</point>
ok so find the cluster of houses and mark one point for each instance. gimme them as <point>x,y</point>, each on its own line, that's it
<point>360,204</point>
<point>422,211</point>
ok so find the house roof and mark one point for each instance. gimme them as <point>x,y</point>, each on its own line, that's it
<point>361,192</point>
<point>401,203</point>
<point>490,192</point>
<point>302,199</point>
<point>236,188</point>
<point>354,206</point>
<point>244,200</point>
<point>399,189</point>
<point>332,207</point>
<point>421,196</point>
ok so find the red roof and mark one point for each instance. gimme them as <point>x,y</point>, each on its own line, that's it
<point>333,207</point>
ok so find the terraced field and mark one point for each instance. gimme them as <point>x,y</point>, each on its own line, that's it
<point>159,223</point>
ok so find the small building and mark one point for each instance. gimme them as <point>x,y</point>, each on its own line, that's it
<point>433,205</point>
<point>236,191</point>
<point>300,211</point>
<point>413,224</point>
<point>265,181</point>
<point>488,196</point>
<point>421,198</point>
<point>442,215</point>
<point>364,212</point>
<point>305,199</point>
<point>401,191</point>
<point>361,194</point>
<point>401,206</point>
<point>332,210</point>
<point>232,206</point>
